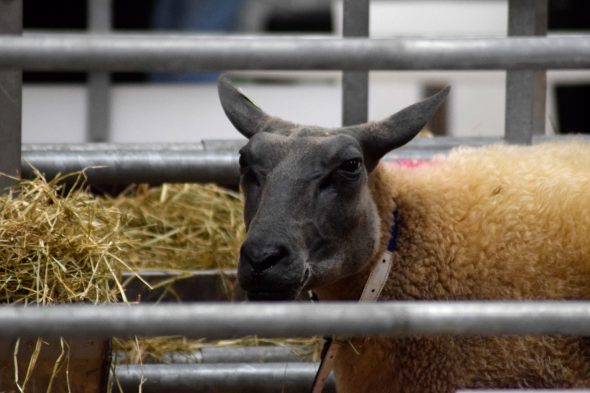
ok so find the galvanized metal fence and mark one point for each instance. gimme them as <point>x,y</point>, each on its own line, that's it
<point>526,55</point>
<point>229,320</point>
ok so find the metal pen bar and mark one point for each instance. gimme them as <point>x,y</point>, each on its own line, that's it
<point>210,161</point>
<point>129,52</point>
<point>355,84</point>
<point>122,166</point>
<point>98,107</point>
<point>10,97</point>
<point>99,94</point>
<point>223,320</point>
<point>525,89</point>
<point>220,378</point>
<point>260,354</point>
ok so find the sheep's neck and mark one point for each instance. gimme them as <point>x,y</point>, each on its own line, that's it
<point>351,287</point>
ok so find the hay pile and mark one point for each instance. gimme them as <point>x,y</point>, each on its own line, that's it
<point>61,244</point>
<point>181,227</point>
<point>58,246</point>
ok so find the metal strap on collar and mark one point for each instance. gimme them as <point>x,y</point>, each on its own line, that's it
<point>371,292</point>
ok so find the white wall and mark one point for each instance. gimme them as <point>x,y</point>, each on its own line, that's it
<point>433,17</point>
<point>189,113</point>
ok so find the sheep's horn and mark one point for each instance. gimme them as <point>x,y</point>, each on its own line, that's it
<point>243,113</point>
<point>379,138</point>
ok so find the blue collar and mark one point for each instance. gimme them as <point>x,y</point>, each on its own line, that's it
<point>393,232</point>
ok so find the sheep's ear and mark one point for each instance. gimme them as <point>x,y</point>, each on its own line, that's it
<point>379,138</point>
<point>243,113</point>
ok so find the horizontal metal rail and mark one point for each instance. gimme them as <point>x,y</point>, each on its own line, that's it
<point>107,164</point>
<point>246,378</point>
<point>220,378</point>
<point>210,161</point>
<point>223,320</point>
<point>260,354</point>
<point>150,52</point>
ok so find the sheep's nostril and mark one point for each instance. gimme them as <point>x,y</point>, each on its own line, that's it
<point>263,256</point>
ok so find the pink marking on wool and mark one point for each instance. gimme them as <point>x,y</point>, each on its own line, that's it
<point>409,163</point>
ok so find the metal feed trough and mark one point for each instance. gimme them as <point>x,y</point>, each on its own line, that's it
<point>526,54</point>
<point>89,374</point>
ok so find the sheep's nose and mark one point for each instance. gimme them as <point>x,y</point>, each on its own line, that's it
<point>263,255</point>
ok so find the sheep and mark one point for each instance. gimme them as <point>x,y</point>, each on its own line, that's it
<point>498,222</point>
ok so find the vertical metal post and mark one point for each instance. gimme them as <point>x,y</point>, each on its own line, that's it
<point>525,90</point>
<point>11,20</point>
<point>99,93</point>
<point>355,84</point>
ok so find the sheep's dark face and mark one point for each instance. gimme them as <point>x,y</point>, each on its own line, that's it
<point>309,214</point>
<point>308,211</point>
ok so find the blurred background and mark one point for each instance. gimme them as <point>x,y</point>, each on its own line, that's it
<point>159,107</point>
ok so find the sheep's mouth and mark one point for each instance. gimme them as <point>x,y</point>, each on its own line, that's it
<point>276,292</point>
<point>261,296</point>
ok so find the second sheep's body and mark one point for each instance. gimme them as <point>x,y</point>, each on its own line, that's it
<point>500,222</point>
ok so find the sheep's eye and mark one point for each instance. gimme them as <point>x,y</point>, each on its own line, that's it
<point>351,166</point>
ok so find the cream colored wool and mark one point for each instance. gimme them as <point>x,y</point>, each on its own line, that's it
<point>500,222</point>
